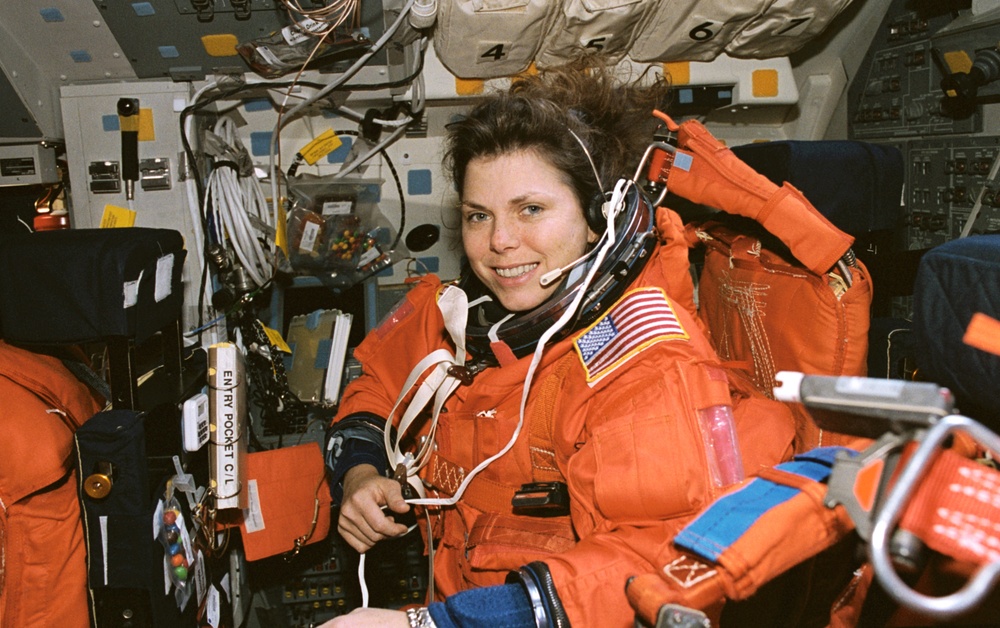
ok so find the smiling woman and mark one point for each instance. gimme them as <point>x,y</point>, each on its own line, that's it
<point>565,447</point>
<point>520,220</point>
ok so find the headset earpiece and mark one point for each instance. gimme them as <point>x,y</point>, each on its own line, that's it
<point>594,213</point>
<point>596,218</point>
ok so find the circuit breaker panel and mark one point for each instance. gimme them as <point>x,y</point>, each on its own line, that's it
<point>921,88</point>
<point>954,190</point>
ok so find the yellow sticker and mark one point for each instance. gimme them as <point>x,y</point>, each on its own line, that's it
<point>765,83</point>
<point>221,45</point>
<point>115,216</point>
<point>469,87</point>
<point>275,337</point>
<point>146,131</point>
<point>323,145</point>
<point>958,61</point>
<point>679,72</point>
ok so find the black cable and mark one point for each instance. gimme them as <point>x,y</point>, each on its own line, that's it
<point>403,82</point>
<point>402,201</point>
<point>281,410</point>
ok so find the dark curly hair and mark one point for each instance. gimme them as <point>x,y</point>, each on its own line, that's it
<point>610,114</point>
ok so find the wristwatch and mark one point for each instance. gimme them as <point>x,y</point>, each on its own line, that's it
<point>420,618</point>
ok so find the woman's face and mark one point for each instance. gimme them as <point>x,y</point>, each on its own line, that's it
<point>520,220</point>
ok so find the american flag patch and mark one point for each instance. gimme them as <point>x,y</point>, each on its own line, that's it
<point>639,319</point>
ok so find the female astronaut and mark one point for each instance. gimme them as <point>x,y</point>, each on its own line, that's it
<point>568,416</point>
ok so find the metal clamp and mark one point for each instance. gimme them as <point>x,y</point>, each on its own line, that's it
<point>667,150</point>
<point>541,499</point>
<point>857,480</point>
<point>982,582</point>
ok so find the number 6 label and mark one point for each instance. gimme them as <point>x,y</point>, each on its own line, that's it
<point>704,31</point>
<point>693,30</point>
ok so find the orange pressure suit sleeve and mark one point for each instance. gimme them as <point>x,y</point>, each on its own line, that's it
<point>405,336</point>
<point>41,534</point>
<point>705,171</point>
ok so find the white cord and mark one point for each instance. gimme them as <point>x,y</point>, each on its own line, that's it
<point>195,211</point>
<point>347,112</point>
<point>571,311</point>
<point>236,201</point>
<point>191,184</point>
<point>346,169</point>
<point>361,580</point>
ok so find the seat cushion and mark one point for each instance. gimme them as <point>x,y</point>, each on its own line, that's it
<point>954,281</point>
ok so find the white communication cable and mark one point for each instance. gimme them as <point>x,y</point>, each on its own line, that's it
<point>190,183</point>
<point>414,464</point>
<point>196,209</point>
<point>236,201</point>
<point>617,200</point>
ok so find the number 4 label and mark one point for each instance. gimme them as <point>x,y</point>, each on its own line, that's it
<point>490,52</point>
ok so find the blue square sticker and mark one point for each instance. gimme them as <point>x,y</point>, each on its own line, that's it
<point>683,160</point>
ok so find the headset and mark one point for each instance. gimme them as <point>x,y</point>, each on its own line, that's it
<point>594,211</point>
<point>634,241</point>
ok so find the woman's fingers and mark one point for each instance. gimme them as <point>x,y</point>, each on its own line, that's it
<point>363,520</point>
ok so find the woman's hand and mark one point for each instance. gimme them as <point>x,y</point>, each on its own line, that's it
<point>362,521</point>
<point>369,618</point>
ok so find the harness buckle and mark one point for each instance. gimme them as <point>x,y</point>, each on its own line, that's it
<point>462,374</point>
<point>541,499</point>
<point>400,475</point>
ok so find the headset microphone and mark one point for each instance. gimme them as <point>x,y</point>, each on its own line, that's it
<point>550,277</point>
<point>611,215</point>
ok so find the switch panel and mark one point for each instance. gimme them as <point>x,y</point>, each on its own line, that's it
<point>104,177</point>
<point>154,174</point>
<point>897,91</point>
<point>28,164</point>
<point>944,182</point>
